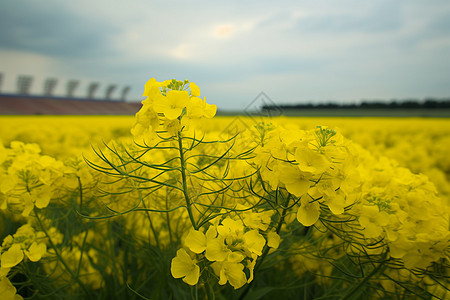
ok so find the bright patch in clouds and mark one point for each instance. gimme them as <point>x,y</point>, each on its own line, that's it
<point>182,51</point>
<point>224,31</point>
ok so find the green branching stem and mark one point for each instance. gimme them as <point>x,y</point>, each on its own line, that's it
<point>80,189</point>
<point>363,282</point>
<point>267,248</point>
<point>53,246</point>
<point>183,178</point>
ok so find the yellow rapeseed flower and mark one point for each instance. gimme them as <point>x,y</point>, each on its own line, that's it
<point>230,272</point>
<point>309,211</point>
<point>198,108</point>
<point>151,87</point>
<point>254,241</point>
<point>172,104</point>
<point>195,90</point>
<point>7,290</point>
<point>12,257</point>
<point>196,241</point>
<point>36,251</point>
<point>311,161</point>
<point>183,266</point>
<point>296,181</point>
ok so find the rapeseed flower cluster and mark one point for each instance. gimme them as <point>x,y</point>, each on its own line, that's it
<point>185,209</point>
<point>165,106</point>
<point>226,248</point>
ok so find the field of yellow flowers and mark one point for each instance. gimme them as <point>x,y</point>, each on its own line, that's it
<point>177,203</point>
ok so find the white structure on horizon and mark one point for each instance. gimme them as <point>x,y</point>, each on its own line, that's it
<point>24,87</point>
<point>49,86</point>
<point>92,88</point>
<point>71,86</point>
<point>109,91</point>
<point>24,84</point>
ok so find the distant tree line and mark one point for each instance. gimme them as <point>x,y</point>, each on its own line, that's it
<point>429,103</point>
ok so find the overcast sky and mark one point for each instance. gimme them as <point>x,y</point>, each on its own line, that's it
<point>294,51</point>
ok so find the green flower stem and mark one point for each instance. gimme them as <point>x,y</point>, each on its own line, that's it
<point>76,278</point>
<point>152,227</point>
<point>80,189</point>
<point>183,177</point>
<point>168,221</point>
<point>266,248</point>
<point>194,292</point>
<point>82,252</point>
<point>363,282</point>
<point>209,291</point>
